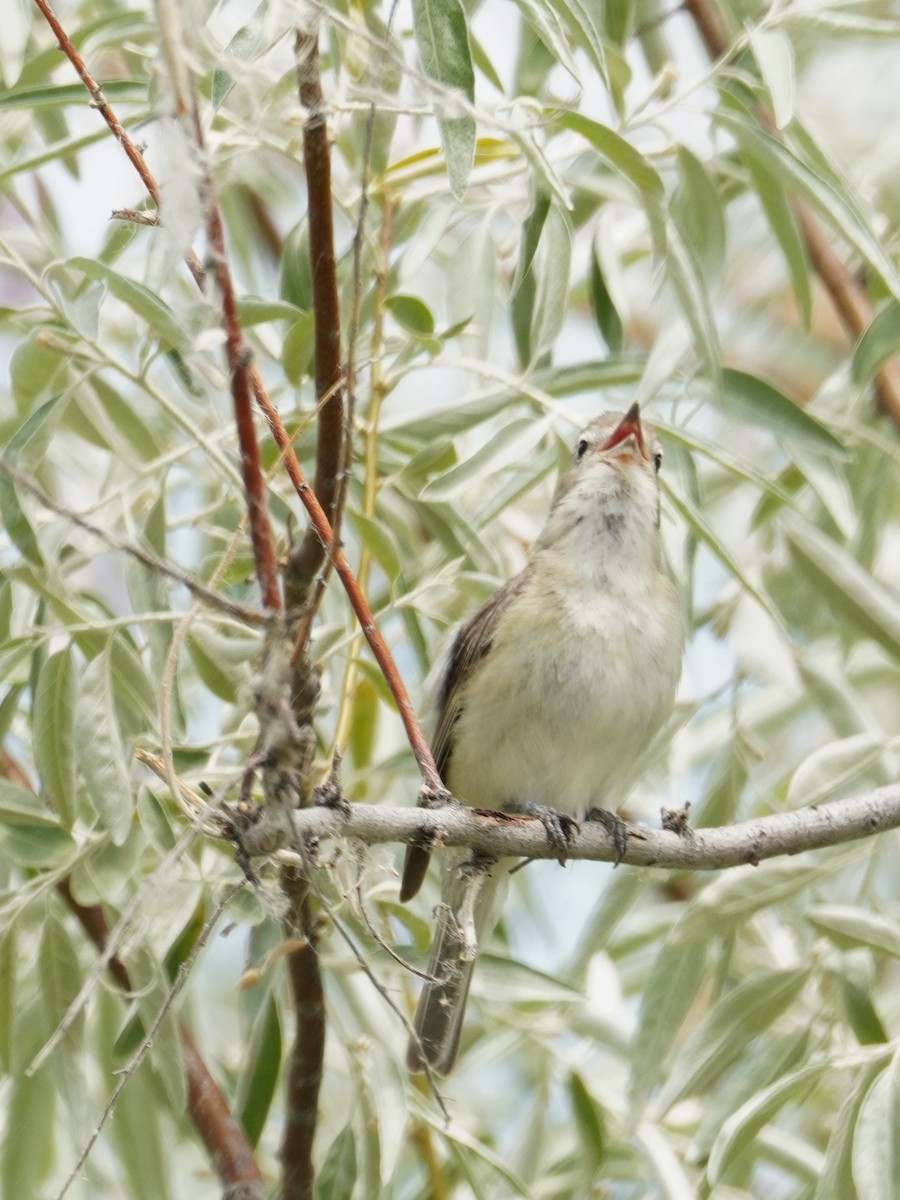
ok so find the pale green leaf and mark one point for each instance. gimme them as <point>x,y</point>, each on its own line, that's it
<point>831,767</point>
<point>156,314</point>
<point>880,342</point>
<point>876,1147</point>
<point>849,926</point>
<point>101,750</point>
<point>442,36</point>
<point>54,732</point>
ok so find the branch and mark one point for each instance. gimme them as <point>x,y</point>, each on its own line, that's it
<point>850,298</point>
<point>503,835</point>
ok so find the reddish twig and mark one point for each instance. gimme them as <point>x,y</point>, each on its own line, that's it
<point>317,166</point>
<point>850,299</point>
<point>304,1069</point>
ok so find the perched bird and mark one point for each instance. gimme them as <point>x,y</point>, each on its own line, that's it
<point>550,692</point>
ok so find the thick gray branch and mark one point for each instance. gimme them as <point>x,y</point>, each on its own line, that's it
<point>502,836</point>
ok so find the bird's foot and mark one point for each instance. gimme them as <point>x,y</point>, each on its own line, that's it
<point>559,827</point>
<point>615,827</point>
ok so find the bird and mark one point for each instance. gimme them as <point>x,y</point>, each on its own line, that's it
<point>549,694</point>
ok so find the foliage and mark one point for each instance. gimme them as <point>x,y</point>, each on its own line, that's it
<point>569,209</point>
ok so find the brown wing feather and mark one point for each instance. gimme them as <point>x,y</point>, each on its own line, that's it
<point>471,644</point>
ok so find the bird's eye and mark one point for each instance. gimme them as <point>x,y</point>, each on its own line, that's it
<point>582,448</point>
<point>657,460</point>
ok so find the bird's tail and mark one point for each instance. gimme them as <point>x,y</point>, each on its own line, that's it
<point>471,898</point>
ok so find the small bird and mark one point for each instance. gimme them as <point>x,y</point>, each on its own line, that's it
<point>549,694</point>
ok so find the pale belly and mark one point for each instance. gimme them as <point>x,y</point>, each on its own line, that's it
<point>560,711</point>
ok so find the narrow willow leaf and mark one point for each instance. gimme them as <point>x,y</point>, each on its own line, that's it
<point>338,1174</point>
<point>21,807</point>
<point>546,24</point>
<point>60,976</point>
<point>260,1076</point>
<point>754,400</point>
<point>849,926</point>
<point>697,210</point>
<point>53,725</point>
<point>876,1148</point>
<point>849,588</point>
<point>380,542</point>
<point>101,751</point>
<point>61,95</point>
<point>830,768</point>
<point>29,1134</point>
<point>41,845</point>
<point>880,342</point>
<point>588,1119</point>
<point>684,275</point>
<point>776,204</point>
<point>584,20</point>
<point>145,304</point>
<point>836,1178</point>
<point>775,58</point>
<point>442,36</point>
<point>723,1036</point>
<point>668,994</point>
<point>608,320</point>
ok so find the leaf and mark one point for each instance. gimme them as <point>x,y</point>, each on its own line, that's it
<point>53,725</point>
<point>60,95</point>
<point>775,58</point>
<point>684,275</point>
<point>41,845</point>
<point>876,1148</point>
<point>831,767</point>
<point>29,1134</point>
<point>836,1178</point>
<point>668,994</point>
<point>545,22</point>
<point>779,212</point>
<point>848,926</point>
<point>338,1175</point>
<point>101,751</point>
<point>145,304</point>
<point>257,310</point>
<point>879,342</point>
<point>380,542</point>
<point>697,210</point>
<point>608,320</point>
<point>21,807</point>
<point>753,399</point>
<point>413,314</point>
<point>850,590</point>
<point>738,1017</point>
<point>259,1080</point>
<point>442,37</point>
<point>588,1118</point>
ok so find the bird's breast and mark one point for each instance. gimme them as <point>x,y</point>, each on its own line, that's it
<point>575,685</point>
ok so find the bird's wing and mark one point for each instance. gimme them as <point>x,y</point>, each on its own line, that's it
<point>470,645</point>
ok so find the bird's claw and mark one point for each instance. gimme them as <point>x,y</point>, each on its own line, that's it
<point>559,827</point>
<point>615,827</point>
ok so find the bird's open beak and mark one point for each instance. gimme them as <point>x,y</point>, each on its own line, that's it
<point>627,438</point>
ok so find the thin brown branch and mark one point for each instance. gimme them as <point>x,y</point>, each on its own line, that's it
<point>309,557</point>
<point>850,299</point>
<point>504,835</point>
<point>304,1068</point>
